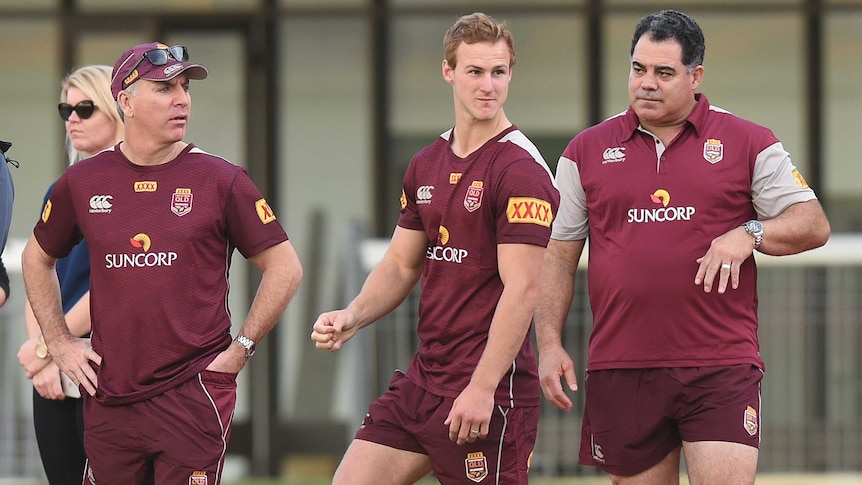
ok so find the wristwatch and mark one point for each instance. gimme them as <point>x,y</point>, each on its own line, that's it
<point>248,343</point>
<point>755,228</point>
<point>41,350</point>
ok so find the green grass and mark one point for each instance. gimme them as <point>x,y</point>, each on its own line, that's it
<point>762,479</point>
<point>326,481</point>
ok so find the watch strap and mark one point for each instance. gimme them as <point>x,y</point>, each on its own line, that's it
<point>249,344</point>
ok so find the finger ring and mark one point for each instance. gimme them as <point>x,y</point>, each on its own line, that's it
<point>474,431</point>
<point>725,265</point>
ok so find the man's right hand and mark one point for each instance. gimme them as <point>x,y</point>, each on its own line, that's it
<point>333,329</point>
<point>555,364</point>
<point>73,356</point>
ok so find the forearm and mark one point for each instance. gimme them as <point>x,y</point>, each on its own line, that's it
<point>43,291</point>
<point>392,279</point>
<point>78,317</point>
<point>33,330</point>
<point>509,328</point>
<point>277,287</point>
<point>30,359</point>
<point>386,287</point>
<point>800,227</point>
<point>559,268</point>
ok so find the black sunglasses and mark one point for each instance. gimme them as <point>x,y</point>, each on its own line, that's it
<point>160,57</point>
<point>84,109</point>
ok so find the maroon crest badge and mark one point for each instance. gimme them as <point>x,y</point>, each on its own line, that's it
<point>749,421</point>
<point>181,202</point>
<point>713,150</point>
<point>473,199</point>
<point>477,466</point>
<point>198,477</point>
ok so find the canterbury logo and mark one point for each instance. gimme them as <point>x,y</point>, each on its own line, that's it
<point>101,204</point>
<point>172,69</point>
<point>614,155</point>
<point>423,194</point>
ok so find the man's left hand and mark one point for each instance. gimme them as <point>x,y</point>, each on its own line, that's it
<point>725,255</point>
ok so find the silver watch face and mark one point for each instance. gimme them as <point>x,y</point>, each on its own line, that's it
<point>755,228</point>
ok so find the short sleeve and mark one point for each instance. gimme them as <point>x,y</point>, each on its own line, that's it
<point>251,222</point>
<point>572,221</point>
<point>776,183</point>
<point>409,218</point>
<point>57,229</point>
<point>526,203</point>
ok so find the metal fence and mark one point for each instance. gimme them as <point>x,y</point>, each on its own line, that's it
<point>811,337</point>
<point>810,333</point>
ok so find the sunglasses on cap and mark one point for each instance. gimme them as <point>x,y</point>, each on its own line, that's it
<point>160,57</point>
<point>84,109</point>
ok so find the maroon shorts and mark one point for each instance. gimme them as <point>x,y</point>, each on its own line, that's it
<point>634,417</point>
<point>407,417</point>
<point>179,437</point>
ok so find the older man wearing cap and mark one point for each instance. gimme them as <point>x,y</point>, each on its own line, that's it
<point>162,219</point>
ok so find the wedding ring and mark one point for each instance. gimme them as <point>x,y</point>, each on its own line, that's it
<point>474,431</point>
<point>725,265</point>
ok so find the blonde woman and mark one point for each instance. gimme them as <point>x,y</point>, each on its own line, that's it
<point>92,125</point>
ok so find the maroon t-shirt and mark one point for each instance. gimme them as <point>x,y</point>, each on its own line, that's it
<point>502,193</point>
<point>161,240</point>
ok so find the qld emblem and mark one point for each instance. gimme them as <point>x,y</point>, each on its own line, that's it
<point>477,466</point>
<point>713,150</point>
<point>473,199</point>
<point>749,421</point>
<point>198,477</point>
<point>181,202</point>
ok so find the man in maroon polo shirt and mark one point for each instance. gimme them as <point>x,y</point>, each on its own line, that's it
<point>675,195</point>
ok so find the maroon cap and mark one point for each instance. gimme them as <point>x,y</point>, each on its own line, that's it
<point>124,75</point>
